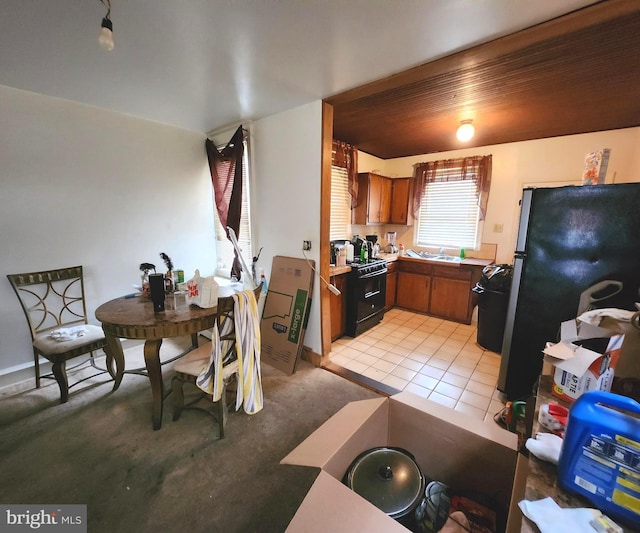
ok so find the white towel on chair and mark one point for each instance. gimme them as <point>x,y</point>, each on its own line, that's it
<point>247,329</point>
<point>68,334</point>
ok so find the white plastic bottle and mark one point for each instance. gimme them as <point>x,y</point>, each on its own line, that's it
<point>349,247</point>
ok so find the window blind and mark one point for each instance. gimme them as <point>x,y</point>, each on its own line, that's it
<point>340,213</point>
<point>448,214</point>
<point>224,247</point>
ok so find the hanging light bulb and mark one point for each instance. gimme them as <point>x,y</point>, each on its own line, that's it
<point>105,39</point>
<point>465,131</point>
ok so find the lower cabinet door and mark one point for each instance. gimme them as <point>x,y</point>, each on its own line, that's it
<point>450,299</point>
<point>413,291</point>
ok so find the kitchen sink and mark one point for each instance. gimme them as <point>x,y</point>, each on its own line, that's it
<point>449,258</point>
<point>434,257</point>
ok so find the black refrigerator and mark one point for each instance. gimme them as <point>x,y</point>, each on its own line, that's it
<point>577,248</point>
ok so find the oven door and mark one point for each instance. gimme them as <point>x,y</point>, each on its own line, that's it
<point>366,301</point>
<point>370,294</point>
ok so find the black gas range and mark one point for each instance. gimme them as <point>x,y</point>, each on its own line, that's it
<point>372,265</point>
<point>366,295</point>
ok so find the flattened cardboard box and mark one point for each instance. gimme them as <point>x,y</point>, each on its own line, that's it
<point>448,445</point>
<point>286,312</point>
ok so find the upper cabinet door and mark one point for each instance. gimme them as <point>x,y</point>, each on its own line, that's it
<point>382,200</point>
<point>400,201</point>
<point>374,200</point>
<point>385,200</point>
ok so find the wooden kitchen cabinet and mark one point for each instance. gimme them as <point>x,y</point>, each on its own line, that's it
<point>451,294</point>
<point>401,193</point>
<point>413,290</point>
<point>338,307</point>
<point>374,200</point>
<point>392,282</point>
<point>438,289</point>
<point>414,285</point>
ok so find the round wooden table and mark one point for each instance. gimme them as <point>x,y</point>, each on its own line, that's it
<point>134,318</point>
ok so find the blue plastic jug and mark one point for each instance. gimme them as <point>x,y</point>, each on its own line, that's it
<point>600,456</point>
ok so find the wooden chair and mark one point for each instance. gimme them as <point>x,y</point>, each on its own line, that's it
<point>189,367</point>
<point>54,305</point>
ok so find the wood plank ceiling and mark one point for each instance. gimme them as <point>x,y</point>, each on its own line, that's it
<point>575,74</point>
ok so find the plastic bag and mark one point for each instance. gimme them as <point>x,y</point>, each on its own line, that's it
<point>202,292</point>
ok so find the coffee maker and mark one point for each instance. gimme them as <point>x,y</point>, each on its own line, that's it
<point>358,242</point>
<point>373,246</point>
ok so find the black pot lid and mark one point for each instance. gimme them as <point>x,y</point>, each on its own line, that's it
<point>389,478</point>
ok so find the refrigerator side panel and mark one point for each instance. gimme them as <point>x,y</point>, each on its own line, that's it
<point>506,364</point>
<point>523,226</point>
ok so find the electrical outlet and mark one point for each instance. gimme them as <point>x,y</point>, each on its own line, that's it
<point>306,245</point>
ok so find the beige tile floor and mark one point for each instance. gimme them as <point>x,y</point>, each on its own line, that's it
<point>431,357</point>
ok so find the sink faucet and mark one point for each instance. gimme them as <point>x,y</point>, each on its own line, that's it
<point>441,251</point>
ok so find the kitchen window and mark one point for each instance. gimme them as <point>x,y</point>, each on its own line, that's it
<point>340,215</point>
<point>451,201</point>
<point>224,247</point>
<point>344,188</point>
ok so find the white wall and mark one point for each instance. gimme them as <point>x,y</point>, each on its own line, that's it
<point>83,186</point>
<point>543,162</point>
<point>287,155</point>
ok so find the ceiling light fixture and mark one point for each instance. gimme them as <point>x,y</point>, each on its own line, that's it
<point>105,39</point>
<point>465,131</point>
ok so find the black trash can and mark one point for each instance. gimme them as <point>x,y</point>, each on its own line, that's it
<point>493,297</point>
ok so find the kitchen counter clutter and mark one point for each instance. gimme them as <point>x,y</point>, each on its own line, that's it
<point>542,480</point>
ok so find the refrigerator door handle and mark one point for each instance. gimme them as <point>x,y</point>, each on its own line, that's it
<point>518,265</point>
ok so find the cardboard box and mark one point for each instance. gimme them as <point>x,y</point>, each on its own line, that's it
<point>629,360</point>
<point>585,359</point>
<point>449,446</point>
<point>286,312</point>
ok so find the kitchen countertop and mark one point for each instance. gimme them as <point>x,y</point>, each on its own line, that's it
<point>338,270</point>
<point>469,261</point>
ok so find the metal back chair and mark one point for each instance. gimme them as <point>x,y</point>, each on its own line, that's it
<point>53,302</point>
<point>191,365</point>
